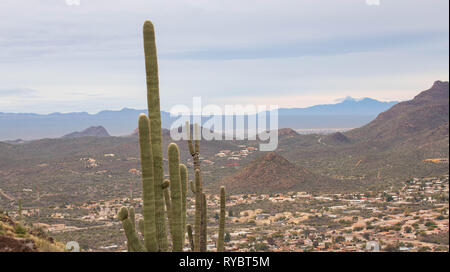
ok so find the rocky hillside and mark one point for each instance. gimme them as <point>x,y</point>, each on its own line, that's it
<point>272,173</point>
<point>16,238</point>
<point>427,113</point>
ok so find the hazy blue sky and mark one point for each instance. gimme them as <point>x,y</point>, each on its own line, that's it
<point>294,53</point>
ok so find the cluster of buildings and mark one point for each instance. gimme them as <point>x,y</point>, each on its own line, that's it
<point>398,219</point>
<point>236,155</point>
<point>392,220</point>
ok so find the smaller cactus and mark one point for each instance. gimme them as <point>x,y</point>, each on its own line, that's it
<point>175,198</point>
<point>204,224</point>
<point>166,192</point>
<point>221,235</point>
<point>184,180</point>
<point>134,245</point>
<point>198,210</point>
<point>190,237</point>
<point>132,215</point>
<point>141,226</point>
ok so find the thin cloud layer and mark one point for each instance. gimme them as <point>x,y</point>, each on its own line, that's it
<point>293,52</point>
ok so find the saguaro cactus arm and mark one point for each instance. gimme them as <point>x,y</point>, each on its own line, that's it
<point>190,237</point>
<point>132,215</point>
<point>198,209</point>
<point>141,226</point>
<point>184,180</point>
<point>148,188</point>
<point>176,196</point>
<point>168,204</point>
<point>191,184</point>
<point>189,139</point>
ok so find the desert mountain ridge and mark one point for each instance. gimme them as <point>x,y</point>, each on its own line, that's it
<point>349,113</point>
<point>96,131</point>
<point>271,172</point>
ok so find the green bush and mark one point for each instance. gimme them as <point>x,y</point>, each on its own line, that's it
<point>20,230</point>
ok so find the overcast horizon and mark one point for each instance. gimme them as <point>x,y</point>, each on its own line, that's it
<point>56,57</point>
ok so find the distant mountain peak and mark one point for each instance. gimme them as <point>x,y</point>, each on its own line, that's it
<point>289,132</point>
<point>439,91</point>
<point>440,84</point>
<point>349,99</point>
<point>94,131</point>
<point>347,106</point>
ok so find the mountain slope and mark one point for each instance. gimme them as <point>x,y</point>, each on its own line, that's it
<point>97,131</point>
<point>427,111</point>
<point>271,173</point>
<point>390,148</point>
<point>16,238</point>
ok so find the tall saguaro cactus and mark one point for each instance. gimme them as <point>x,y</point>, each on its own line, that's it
<point>197,189</point>
<point>163,196</point>
<point>154,113</point>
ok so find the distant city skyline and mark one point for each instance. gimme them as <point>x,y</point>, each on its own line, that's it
<point>56,57</point>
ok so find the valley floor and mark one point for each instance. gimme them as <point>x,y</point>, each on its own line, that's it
<point>413,217</point>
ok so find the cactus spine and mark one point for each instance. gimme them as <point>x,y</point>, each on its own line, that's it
<point>221,235</point>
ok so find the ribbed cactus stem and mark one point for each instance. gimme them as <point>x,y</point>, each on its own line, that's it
<point>221,235</point>
<point>194,144</point>
<point>189,138</point>
<point>198,209</point>
<point>184,180</point>
<point>204,224</point>
<point>134,244</point>
<point>148,188</point>
<point>197,140</point>
<point>141,226</point>
<point>153,100</point>
<point>168,204</point>
<point>176,196</point>
<point>190,237</point>
<point>132,215</point>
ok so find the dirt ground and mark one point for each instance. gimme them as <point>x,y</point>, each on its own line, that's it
<point>9,244</point>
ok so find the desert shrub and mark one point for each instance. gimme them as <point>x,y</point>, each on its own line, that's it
<point>20,230</point>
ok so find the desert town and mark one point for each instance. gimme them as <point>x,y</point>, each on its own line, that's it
<point>412,218</point>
